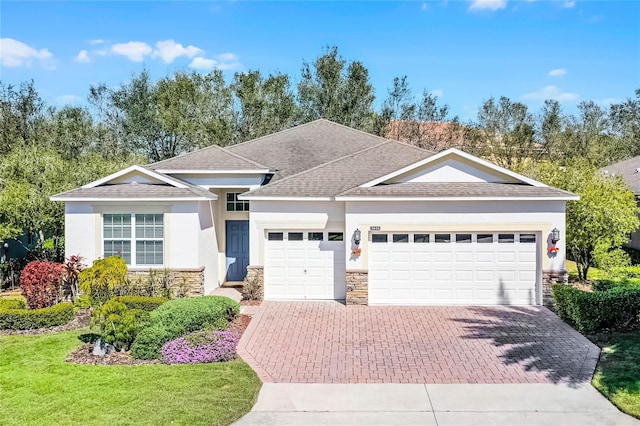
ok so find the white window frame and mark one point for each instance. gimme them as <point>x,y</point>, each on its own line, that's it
<point>134,239</point>
<point>245,203</point>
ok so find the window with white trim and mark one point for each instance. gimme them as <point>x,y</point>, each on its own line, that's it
<point>137,238</point>
<point>235,205</point>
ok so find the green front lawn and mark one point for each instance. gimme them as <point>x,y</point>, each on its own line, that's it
<point>37,386</point>
<point>593,273</point>
<point>618,374</point>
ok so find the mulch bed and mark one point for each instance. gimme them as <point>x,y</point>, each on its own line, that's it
<point>79,321</point>
<point>84,354</point>
<point>250,302</point>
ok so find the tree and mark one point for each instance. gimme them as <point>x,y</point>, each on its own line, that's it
<point>604,216</point>
<point>328,90</point>
<point>625,121</point>
<point>21,115</point>
<point>507,132</point>
<point>265,105</point>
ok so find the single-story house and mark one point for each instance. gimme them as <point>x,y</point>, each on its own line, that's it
<point>323,211</point>
<point>630,171</point>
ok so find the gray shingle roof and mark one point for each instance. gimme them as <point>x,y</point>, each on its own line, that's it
<point>210,158</point>
<point>458,189</point>
<point>628,169</point>
<point>332,178</point>
<point>303,147</point>
<point>136,191</point>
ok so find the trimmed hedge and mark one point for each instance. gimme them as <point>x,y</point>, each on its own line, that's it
<point>590,312</point>
<point>179,317</point>
<point>12,304</point>
<point>605,285</point>
<point>27,319</point>
<point>142,302</point>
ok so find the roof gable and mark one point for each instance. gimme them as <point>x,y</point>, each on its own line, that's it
<point>211,158</point>
<point>452,165</point>
<point>136,174</point>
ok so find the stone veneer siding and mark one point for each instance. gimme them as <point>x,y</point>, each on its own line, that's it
<point>549,278</point>
<point>357,287</point>
<point>255,275</point>
<point>183,281</point>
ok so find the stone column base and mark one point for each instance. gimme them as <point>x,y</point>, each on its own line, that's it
<point>357,287</point>
<point>549,278</point>
<point>253,288</point>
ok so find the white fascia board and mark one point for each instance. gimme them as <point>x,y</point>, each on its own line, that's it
<point>565,198</point>
<point>213,172</point>
<point>459,153</point>
<point>136,168</point>
<point>133,200</point>
<point>265,198</point>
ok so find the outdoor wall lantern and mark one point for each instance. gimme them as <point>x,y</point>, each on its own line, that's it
<point>555,235</point>
<point>357,235</point>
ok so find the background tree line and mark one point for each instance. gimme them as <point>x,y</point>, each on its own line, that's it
<point>46,150</point>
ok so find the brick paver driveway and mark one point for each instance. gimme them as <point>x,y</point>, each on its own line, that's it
<point>327,342</point>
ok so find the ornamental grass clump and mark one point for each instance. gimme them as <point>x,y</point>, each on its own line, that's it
<point>201,347</point>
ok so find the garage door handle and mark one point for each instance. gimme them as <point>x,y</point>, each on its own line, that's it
<point>305,272</point>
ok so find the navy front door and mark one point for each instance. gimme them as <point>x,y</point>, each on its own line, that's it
<point>237,251</point>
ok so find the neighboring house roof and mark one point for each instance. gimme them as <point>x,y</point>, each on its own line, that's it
<point>306,146</point>
<point>211,158</point>
<point>334,177</point>
<point>134,191</point>
<point>446,190</point>
<point>629,170</point>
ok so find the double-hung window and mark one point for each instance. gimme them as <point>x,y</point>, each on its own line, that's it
<point>137,238</point>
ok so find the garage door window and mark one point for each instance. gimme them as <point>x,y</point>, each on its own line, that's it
<point>485,238</point>
<point>527,238</point>
<point>379,238</point>
<point>275,236</point>
<point>463,238</point>
<point>336,236</point>
<point>506,238</point>
<point>316,236</point>
<point>443,238</point>
<point>295,236</point>
<point>400,238</point>
<point>420,238</point>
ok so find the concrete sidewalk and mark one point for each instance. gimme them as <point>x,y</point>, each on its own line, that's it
<point>414,404</point>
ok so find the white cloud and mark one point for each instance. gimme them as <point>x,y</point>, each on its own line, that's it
<point>227,57</point>
<point>83,56</point>
<point>134,50</point>
<point>169,50</point>
<point>488,4</point>
<point>558,72</point>
<point>100,52</point>
<point>201,63</point>
<point>97,41</point>
<point>568,4</point>
<point>14,53</point>
<point>67,100</point>
<point>424,6</point>
<point>437,92</point>
<point>606,102</point>
<point>551,92</point>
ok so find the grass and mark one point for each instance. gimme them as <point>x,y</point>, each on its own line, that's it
<point>39,387</point>
<point>593,273</point>
<point>618,374</point>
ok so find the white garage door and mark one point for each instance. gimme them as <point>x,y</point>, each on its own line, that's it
<point>304,265</point>
<point>453,268</point>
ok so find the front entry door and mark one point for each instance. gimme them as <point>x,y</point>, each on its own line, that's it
<point>237,251</point>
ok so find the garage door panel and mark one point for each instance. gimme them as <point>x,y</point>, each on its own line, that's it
<point>453,273</point>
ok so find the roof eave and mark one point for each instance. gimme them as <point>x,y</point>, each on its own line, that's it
<point>488,198</point>
<point>128,199</point>
<point>217,171</point>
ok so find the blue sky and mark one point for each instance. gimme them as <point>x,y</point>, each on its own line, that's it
<point>463,51</point>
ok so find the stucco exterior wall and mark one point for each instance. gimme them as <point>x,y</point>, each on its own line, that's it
<point>447,216</point>
<point>273,215</point>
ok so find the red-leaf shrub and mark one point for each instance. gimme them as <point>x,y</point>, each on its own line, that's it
<point>40,283</point>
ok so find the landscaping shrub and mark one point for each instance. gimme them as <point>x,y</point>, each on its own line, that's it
<point>27,319</point>
<point>625,272</point>
<point>179,317</point>
<point>12,304</point>
<point>252,289</point>
<point>40,283</point>
<point>142,302</point>
<point>617,308</point>
<point>102,279</point>
<point>118,325</point>
<point>201,347</point>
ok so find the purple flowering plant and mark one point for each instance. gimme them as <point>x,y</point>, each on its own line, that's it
<point>201,347</point>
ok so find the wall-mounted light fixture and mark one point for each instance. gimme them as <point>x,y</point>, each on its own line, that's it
<point>357,236</point>
<point>555,235</point>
